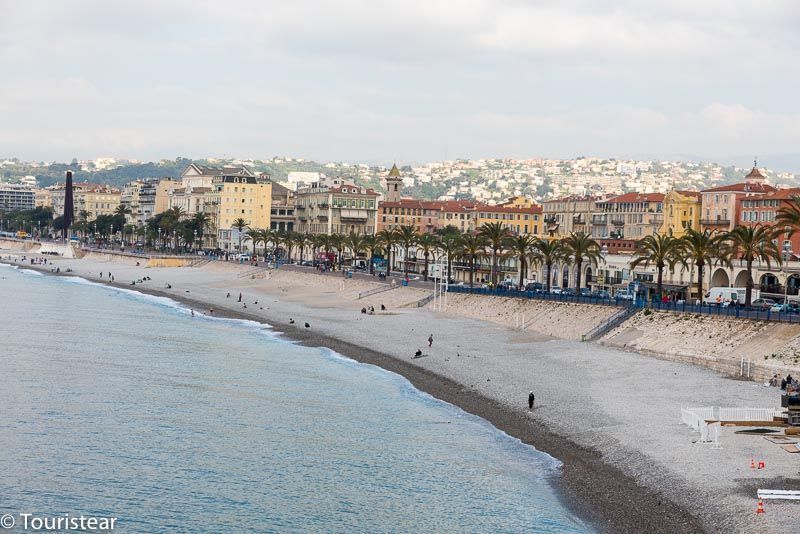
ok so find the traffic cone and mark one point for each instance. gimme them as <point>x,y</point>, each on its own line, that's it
<point>760,509</point>
<point>762,465</point>
<point>752,464</point>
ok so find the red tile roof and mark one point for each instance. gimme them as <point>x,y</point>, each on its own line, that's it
<point>693,194</point>
<point>636,197</point>
<point>742,187</point>
<point>782,194</point>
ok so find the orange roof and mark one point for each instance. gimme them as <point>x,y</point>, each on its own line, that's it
<point>781,194</point>
<point>693,194</point>
<point>755,173</point>
<point>636,197</point>
<point>574,198</point>
<point>510,209</point>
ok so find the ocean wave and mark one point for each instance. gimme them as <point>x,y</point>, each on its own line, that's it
<point>31,271</point>
<point>174,304</point>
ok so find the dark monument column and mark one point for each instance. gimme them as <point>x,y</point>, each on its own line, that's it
<point>68,206</point>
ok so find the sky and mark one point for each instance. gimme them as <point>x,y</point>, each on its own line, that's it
<point>405,81</point>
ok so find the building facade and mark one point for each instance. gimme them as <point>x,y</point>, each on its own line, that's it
<point>16,197</point>
<point>720,205</point>
<point>628,216</point>
<point>139,197</point>
<point>282,214</point>
<point>563,216</point>
<point>681,212</point>
<point>339,208</point>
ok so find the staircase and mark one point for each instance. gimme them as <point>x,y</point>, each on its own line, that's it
<point>610,323</point>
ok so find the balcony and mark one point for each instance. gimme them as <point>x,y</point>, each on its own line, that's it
<point>578,219</point>
<point>618,222</point>
<point>323,205</point>
<point>715,222</point>
<point>551,220</point>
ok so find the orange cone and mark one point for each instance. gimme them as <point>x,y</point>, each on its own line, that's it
<point>762,465</point>
<point>760,509</point>
<point>752,464</point>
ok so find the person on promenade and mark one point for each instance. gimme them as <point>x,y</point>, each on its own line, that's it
<point>531,399</point>
<point>240,297</point>
<point>430,340</point>
<point>383,308</point>
<point>417,354</point>
<point>228,295</point>
<point>101,274</point>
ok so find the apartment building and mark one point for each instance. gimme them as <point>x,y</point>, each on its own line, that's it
<point>520,215</point>
<point>563,216</point>
<point>762,210</point>
<point>238,195</point>
<point>334,206</point>
<point>282,211</point>
<point>628,216</point>
<point>720,205</point>
<point>139,197</point>
<point>93,199</point>
<point>15,197</point>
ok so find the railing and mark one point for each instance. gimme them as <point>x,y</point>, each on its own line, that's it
<point>376,290</point>
<point>714,222</point>
<point>538,295</point>
<point>612,322</point>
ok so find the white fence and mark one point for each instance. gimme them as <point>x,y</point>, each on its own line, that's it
<point>696,419</point>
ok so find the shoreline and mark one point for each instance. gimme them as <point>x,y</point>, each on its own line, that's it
<point>599,493</point>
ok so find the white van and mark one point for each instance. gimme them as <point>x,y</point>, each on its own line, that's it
<point>728,295</point>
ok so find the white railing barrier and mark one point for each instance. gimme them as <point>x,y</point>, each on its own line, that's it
<point>715,430</point>
<point>696,419</point>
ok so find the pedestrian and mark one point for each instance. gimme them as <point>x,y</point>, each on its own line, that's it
<point>228,296</point>
<point>192,312</point>
<point>101,274</point>
<point>531,399</point>
<point>240,297</point>
<point>430,340</point>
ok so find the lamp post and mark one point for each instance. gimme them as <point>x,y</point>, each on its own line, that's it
<point>603,254</point>
<point>159,238</point>
<point>194,243</point>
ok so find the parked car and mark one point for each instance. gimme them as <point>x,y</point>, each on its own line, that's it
<point>555,290</point>
<point>244,257</point>
<point>762,304</point>
<point>624,296</point>
<point>534,286</point>
<point>600,294</point>
<point>585,292</point>
<point>567,291</point>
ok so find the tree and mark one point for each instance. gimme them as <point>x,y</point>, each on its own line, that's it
<point>122,210</point>
<point>407,237</point>
<point>388,238</point>
<point>356,243</point>
<point>240,224</point>
<point>253,235</point>
<point>428,244</point>
<point>200,222</point>
<point>789,215</point>
<point>751,243</point>
<point>520,247</point>
<point>371,244</point>
<point>660,250</point>
<point>547,252</point>
<point>473,247</point>
<point>578,248</point>
<point>703,248</point>
<point>495,235</point>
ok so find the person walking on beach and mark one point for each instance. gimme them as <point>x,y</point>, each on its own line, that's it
<point>430,340</point>
<point>240,297</point>
<point>531,399</point>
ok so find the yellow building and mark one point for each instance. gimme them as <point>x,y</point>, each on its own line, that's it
<point>681,211</point>
<point>239,196</point>
<point>520,215</point>
<point>164,190</point>
<point>96,201</point>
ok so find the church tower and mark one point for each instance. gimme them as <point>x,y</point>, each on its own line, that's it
<point>394,185</point>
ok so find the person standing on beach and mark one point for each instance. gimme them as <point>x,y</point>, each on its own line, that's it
<point>430,340</point>
<point>240,297</point>
<point>531,399</point>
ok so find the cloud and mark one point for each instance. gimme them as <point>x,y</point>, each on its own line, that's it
<point>413,79</point>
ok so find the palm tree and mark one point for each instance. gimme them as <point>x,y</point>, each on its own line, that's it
<point>520,247</point>
<point>428,244</point>
<point>660,250</point>
<point>407,236</point>
<point>547,252</point>
<point>371,244</point>
<point>338,241</point>
<point>240,224</point>
<point>128,230</point>
<point>388,238</point>
<point>579,247</point>
<point>495,235</point>
<point>473,247</point>
<point>450,245</point>
<point>255,236</point>
<point>317,241</point>
<point>789,215</point>
<point>200,221</point>
<point>704,248</point>
<point>122,210</point>
<point>753,243</point>
<point>356,243</point>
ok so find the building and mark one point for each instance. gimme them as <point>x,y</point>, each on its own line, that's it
<point>139,197</point>
<point>681,212</point>
<point>237,194</point>
<point>563,216</point>
<point>521,216</point>
<point>43,198</point>
<point>282,212</point>
<point>164,190</point>
<point>628,216</point>
<point>333,206</point>
<point>89,200</point>
<point>762,210</point>
<point>16,197</point>
<point>720,205</point>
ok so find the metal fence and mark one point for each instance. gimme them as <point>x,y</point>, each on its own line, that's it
<point>677,307</point>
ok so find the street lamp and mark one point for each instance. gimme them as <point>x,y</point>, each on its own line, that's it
<point>195,240</point>
<point>159,238</point>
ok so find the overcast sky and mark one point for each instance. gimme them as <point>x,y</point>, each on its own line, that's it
<point>398,81</point>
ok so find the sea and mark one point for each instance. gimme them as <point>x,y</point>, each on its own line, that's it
<point>118,404</point>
